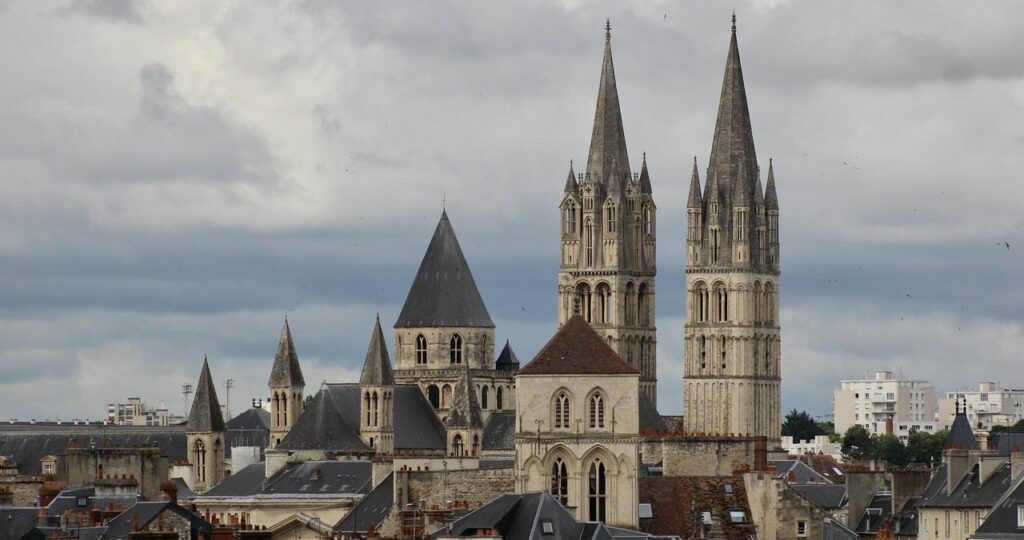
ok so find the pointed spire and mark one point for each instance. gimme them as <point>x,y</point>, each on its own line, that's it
<point>205,416</point>
<point>507,360</point>
<point>607,141</point>
<point>377,366</point>
<point>465,409</point>
<point>771,199</point>
<point>444,293</point>
<point>570,183</point>
<point>286,370</point>
<point>758,193</point>
<point>645,178</point>
<point>695,200</point>
<point>733,158</point>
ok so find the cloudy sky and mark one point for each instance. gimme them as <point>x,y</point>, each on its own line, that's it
<point>179,176</point>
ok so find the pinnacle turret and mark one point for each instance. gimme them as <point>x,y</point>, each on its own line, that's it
<point>571,186</point>
<point>695,200</point>
<point>607,141</point>
<point>205,416</point>
<point>645,178</point>
<point>377,366</point>
<point>286,371</point>
<point>771,199</point>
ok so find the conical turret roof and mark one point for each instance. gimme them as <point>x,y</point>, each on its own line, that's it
<point>645,178</point>
<point>694,200</point>
<point>444,293</point>
<point>733,158</point>
<point>507,360</point>
<point>286,371</point>
<point>771,199</point>
<point>607,141</point>
<point>960,433</point>
<point>205,415</point>
<point>570,183</point>
<point>377,366</point>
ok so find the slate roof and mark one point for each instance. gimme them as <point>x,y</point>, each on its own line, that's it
<point>286,370</point>
<point>444,293</point>
<point>877,512</point>
<point>371,510</point>
<point>677,504</point>
<point>308,478</point>
<point>27,446</point>
<point>1001,521</point>
<point>205,415</point>
<point>968,493</point>
<point>576,349</point>
<point>250,428</point>
<point>607,140</point>
<point>826,496</point>
<point>801,472</point>
<point>15,522</point>
<point>524,515</point>
<point>145,513</point>
<point>960,434</point>
<point>650,419</point>
<point>500,431</point>
<point>507,360</point>
<point>331,422</point>
<point>247,481</point>
<point>1006,442</point>
<point>377,365</point>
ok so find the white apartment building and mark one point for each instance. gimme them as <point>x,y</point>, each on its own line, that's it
<point>137,413</point>
<point>989,406</point>
<point>908,403</point>
<point>819,445</point>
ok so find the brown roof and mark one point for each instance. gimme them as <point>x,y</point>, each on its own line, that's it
<point>576,349</point>
<point>678,503</point>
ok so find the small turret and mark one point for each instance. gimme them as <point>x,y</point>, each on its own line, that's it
<point>694,218</point>
<point>571,186</point>
<point>206,434</point>
<point>286,387</point>
<point>377,386</point>
<point>695,201</point>
<point>771,199</point>
<point>771,206</point>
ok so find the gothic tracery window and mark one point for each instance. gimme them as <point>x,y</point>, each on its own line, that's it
<point>458,447</point>
<point>570,218</point>
<point>455,349</point>
<point>561,411</point>
<point>421,349</point>
<point>560,481</point>
<point>596,420</point>
<point>597,492</point>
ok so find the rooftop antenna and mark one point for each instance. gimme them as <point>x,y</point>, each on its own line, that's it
<point>228,385</point>
<point>186,388</point>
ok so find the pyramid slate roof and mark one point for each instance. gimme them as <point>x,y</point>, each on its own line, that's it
<point>771,199</point>
<point>607,141</point>
<point>576,349</point>
<point>507,360</point>
<point>205,415</point>
<point>500,431</point>
<point>444,292</point>
<point>960,433</point>
<point>286,370</point>
<point>377,366</point>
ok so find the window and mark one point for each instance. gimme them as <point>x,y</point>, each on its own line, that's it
<point>547,527</point>
<point>724,344</point>
<point>596,411</point>
<point>455,351</point>
<point>611,217</point>
<point>199,451</point>
<point>702,301</point>
<point>737,516</point>
<point>560,481</point>
<point>570,218</point>
<point>597,492</point>
<point>703,351</point>
<point>1020,515</point>
<point>648,220</point>
<point>421,349</point>
<point>715,247</point>
<point>801,528</point>
<point>588,242</point>
<point>483,397</point>
<point>562,411</point>
<point>645,511</point>
<point>498,402</point>
<point>476,445</point>
<point>434,396</point>
<point>458,447</point>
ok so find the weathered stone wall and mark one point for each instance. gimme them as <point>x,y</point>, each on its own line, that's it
<point>692,456</point>
<point>24,488</point>
<point>474,487</point>
<point>148,466</point>
<point>777,509</point>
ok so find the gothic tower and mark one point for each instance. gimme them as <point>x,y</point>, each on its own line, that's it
<point>732,344</point>
<point>286,385</point>
<point>377,386</point>
<point>206,434</point>
<point>608,240</point>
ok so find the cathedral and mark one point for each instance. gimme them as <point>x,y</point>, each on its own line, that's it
<point>580,420</point>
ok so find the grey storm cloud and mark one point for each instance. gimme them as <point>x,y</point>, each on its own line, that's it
<point>179,178</point>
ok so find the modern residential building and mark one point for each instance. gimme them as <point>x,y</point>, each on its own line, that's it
<point>885,403</point>
<point>135,412</point>
<point>988,406</point>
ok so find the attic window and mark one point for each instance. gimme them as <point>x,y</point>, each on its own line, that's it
<point>874,511</point>
<point>737,516</point>
<point>547,527</point>
<point>83,502</point>
<point>801,529</point>
<point>645,511</point>
<point>728,488</point>
<point>706,517</point>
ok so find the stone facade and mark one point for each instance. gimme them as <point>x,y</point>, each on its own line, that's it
<point>732,346</point>
<point>701,456</point>
<point>145,468</point>
<point>775,507</point>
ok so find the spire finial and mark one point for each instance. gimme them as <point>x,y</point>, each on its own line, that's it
<point>607,30</point>
<point>645,156</point>
<point>734,21</point>
<point>444,202</point>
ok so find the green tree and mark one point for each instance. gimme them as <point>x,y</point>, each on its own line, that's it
<point>800,426</point>
<point>890,448</point>
<point>858,443</point>
<point>925,447</point>
<point>829,428</point>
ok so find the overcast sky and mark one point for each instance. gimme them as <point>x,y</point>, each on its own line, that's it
<point>179,176</point>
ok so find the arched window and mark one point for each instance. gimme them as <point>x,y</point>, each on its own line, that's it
<point>642,309</point>
<point>446,396</point>
<point>767,355</point>
<point>366,407</point>
<point>723,351</point>
<point>498,399</point>
<point>455,346</point>
<point>375,406</point>
<point>483,397</point>
<point>560,481</point>
<point>569,222</point>
<point>703,352</point>
<point>648,220</point>
<point>597,492</point>
<point>702,303</point>
<point>562,411</point>
<point>458,447</point>
<point>588,241</point>
<point>630,303</point>
<point>610,210</point>
<point>769,299</point>
<point>721,297</point>
<point>200,460</point>
<point>604,303</point>
<point>421,349</point>
<point>434,396</point>
<point>758,303</point>
<point>596,420</point>
<point>715,246</point>
<point>583,295</point>
<point>476,445</point>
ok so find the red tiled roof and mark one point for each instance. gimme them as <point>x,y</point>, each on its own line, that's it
<point>576,349</point>
<point>678,502</point>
